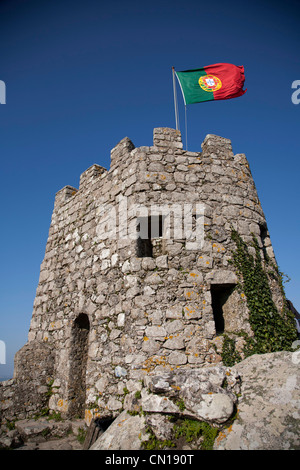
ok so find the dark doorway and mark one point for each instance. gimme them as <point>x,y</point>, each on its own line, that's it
<point>78,363</point>
<point>220,297</point>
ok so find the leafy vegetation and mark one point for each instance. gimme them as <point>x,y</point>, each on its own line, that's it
<point>81,435</point>
<point>272,330</point>
<point>155,444</point>
<point>180,404</point>
<point>187,429</point>
<point>229,354</point>
<point>192,430</point>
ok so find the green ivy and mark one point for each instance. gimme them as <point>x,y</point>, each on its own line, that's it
<point>229,354</point>
<point>273,331</point>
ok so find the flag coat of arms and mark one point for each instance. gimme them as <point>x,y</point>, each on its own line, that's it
<point>213,82</point>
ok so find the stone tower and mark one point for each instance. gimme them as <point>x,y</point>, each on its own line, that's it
<point>137,275</point>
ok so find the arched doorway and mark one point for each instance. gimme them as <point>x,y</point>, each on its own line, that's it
<point>78,363</point>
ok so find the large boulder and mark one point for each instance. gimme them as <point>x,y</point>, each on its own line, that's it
<point>269,406</point>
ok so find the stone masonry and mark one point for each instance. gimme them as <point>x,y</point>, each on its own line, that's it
<point>113,303</point>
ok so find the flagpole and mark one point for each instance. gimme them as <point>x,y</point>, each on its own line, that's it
<point>175,99</point>
<point>186,141</point>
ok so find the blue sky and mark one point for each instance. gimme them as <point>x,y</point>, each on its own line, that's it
<point>81,75</point>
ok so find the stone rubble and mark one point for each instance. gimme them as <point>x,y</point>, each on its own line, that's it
<point>42,434</point>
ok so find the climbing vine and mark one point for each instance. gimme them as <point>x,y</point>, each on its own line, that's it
<point>230,356</point>
<point>272,331</point>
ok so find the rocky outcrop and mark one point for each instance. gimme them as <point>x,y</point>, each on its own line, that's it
<point>269,406</point>
<point>254,405</point>
<point>206,394</point>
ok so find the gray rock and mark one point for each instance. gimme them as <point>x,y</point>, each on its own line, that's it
<point>152,403</point>
<point>160,425</point>
<point>120,371</point>
<point>177,358</point>
<point>207,393</point>
<point>265,391</point>
<point>214,407</point>
<point>269,407</point>
<point>125,433</point>
<point>33,430</point>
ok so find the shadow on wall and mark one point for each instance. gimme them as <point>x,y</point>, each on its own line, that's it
<point>78,365</point>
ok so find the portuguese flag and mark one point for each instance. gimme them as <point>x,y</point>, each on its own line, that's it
<point>214,82</point>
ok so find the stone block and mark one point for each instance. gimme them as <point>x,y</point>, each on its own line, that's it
<point>157,332</point>
<point>177,358</point>
<point>174,342</point>
<point>216,407</point>
<point>192,311</point>
<point>174,312</point>
<point>156,404</point>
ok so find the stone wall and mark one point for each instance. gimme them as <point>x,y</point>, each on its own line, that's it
<point>150,312</point>
<point>27,394</point>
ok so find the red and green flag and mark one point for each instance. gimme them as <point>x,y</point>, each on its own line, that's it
<point>213,82</point>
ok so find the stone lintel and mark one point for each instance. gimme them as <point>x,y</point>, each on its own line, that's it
<point>221,276</point>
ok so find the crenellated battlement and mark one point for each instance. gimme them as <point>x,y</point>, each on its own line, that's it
<point>124,154</point>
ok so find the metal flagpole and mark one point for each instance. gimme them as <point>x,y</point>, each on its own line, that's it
<point>175,100</point>
<point>186,141</point>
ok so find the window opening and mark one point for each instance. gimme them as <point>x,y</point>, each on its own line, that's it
<point>264,236</point>
<point>148,228</point>
<point>220,297</point>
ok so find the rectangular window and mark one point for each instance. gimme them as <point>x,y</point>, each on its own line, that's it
<point>148,228</point>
